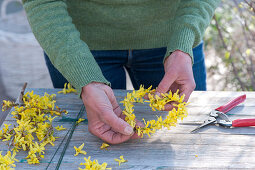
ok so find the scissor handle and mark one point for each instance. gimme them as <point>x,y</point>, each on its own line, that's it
<point>231,104</point>
<point>243,122</point>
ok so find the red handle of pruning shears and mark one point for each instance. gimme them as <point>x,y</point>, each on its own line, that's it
<point>243,122</point>
<point>231,104</point>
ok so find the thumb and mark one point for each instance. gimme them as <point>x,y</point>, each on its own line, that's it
<point>112,116</point>
<point>165,83</point>
<point>117,124</point>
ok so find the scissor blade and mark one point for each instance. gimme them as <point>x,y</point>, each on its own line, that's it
<point>190,123</point>
<point>206,122</point>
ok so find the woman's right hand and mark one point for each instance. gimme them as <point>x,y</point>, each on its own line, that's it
<point>105,118</point>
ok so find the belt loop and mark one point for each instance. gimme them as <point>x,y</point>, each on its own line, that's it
<point>130,56</point>
<point>129,52</point>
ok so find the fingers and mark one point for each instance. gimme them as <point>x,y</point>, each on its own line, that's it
<point>164,86</point>
<point>168,107</point>
<point>186,86</point>
<point>114,120</point>
<point>135,136</point>
<point>166,83</point>
<point>179,74</point>
<point>138,124</point>
<point>146,97</point>
<point>104,114</point>
<point>106,133</point>
<point>116,108</point>
<point>109,135</point>
<point>187,92</point>
<point>118,124</point>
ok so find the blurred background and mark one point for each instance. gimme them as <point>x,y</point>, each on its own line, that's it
<point>21,58</point>
<point>229,48</point>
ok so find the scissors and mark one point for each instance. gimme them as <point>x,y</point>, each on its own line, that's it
<point>218,116</point>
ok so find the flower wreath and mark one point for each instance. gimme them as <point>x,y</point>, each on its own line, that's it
<point>156,103</point>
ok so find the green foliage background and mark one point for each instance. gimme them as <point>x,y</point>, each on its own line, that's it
<point>231,39</point>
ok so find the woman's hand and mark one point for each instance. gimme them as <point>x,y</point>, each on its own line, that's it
<point>178,75</point>
<point>105,118</point>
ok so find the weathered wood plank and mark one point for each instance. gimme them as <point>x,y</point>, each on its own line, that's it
<point>165,154</point>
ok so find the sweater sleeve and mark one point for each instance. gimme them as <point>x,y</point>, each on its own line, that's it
<point>59,38</point>
<point>191,20</point>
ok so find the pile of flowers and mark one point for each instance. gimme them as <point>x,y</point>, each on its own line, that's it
<point>33,129</point>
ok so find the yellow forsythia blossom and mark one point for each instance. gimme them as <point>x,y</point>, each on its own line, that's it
<point>59,128</point>
<point>104,146</point>
<point>121,160</point>
<point>93,165</point>
<point>7,104</point>
<point>69,89</point>
<point>156,103</point>
<point>7,161</point>
<point>35,153</point>
<point>135,96</point>
<point>79,120</point>
<point>79,150</point>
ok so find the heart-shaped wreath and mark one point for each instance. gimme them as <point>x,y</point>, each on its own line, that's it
<point>156,103</point>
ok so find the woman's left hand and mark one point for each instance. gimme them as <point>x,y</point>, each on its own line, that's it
<point>178,75</point>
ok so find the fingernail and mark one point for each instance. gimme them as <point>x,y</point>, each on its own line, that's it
<point>128,130</point>
<point>139,124</point>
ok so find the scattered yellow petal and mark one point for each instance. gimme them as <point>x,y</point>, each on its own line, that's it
<point>79,120</point>
<point>79,150</point>
<point>59,128</point>
<point>104,146</point>
<point>121,160</point>
<point>69,89</point>
<point>93,165</point>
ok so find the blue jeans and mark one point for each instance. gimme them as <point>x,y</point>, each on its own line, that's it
<point>143,66</point>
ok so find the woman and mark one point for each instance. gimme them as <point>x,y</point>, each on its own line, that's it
<point>89,42</point>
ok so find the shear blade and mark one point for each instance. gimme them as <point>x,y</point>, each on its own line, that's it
<point>206,122</point>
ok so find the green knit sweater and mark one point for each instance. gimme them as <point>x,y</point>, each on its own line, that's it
<point>68,29</point>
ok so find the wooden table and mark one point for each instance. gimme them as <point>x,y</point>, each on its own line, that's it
<point>212,147</point>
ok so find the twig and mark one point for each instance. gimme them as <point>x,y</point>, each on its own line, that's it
<point>48,134</point>
<point>225,47</point>
<point>244,28</point>
<point>12,138</point>
<point>20,99</point>
<point>10,143</point>
<point>250,5</point>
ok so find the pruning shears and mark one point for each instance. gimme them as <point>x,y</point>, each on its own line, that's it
<point>218,116</point>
